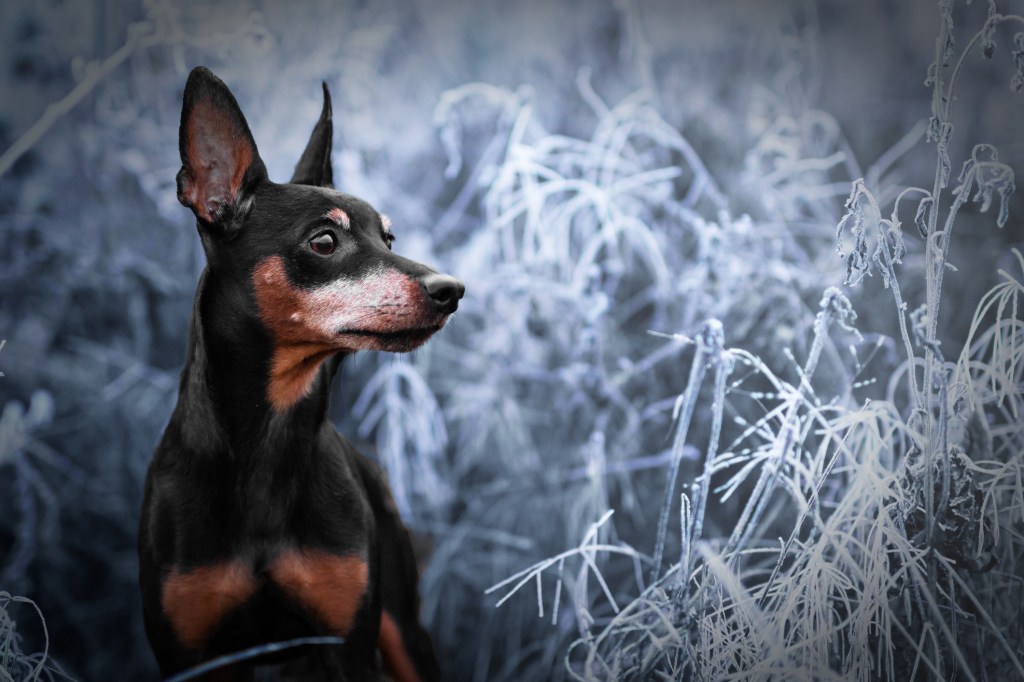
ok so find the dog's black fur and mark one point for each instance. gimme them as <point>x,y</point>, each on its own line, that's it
<point>260,522</point>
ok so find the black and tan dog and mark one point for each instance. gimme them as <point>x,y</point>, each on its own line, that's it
<point>260,522</point>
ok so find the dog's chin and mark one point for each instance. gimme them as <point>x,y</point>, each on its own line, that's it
<point>400,341</point>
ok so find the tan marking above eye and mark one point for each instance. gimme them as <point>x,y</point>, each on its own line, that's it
<point>329,586</point>
<point>196,601</point>
<point>339,217</point>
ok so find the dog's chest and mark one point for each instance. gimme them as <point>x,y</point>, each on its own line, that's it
<point>254,543</point>
<point>327,589</point>
<point>255,505</point>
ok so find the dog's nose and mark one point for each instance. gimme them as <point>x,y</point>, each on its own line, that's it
<point>443,291</point>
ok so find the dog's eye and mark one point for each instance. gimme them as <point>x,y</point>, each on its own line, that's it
<point>389,239</point>
<point>323,244</point>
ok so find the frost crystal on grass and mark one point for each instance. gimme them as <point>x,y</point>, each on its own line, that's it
<point>988,176</point>
<point>924,207</point>
<point>863,217</point>
<point>861,213</point>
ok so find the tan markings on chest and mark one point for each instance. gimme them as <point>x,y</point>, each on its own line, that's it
<point>329,586</point>
<point>197,600</point>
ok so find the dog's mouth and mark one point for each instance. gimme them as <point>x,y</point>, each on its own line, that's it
<point>396,341</point>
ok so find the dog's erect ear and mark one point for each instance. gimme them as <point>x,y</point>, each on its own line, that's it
<point>219,162</point>
<point>314,168</point>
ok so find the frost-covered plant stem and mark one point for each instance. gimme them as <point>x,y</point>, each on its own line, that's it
<point>709,347</point>
<point>699,491</point>
<point>834,306</point>
<point>901,306</point>
<point>937,243</point>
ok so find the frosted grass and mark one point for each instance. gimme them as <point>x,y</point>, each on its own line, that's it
<point>896,502</point>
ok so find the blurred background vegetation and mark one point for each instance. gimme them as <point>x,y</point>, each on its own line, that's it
<point>592,170</point>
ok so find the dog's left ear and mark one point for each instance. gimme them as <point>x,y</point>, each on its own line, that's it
<point>220,166</point>
<point>314,168</point>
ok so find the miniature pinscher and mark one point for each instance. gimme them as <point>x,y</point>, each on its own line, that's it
<point>260,522</point>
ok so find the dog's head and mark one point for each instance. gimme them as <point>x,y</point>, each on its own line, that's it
<point>316,264</point>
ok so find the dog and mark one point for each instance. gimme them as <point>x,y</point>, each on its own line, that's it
<point>260,522</point>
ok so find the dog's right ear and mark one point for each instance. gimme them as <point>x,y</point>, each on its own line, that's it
<point>314,167</point>
<point>220,165</point>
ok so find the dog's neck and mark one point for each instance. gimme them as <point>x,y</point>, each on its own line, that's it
<point>223,404</point>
